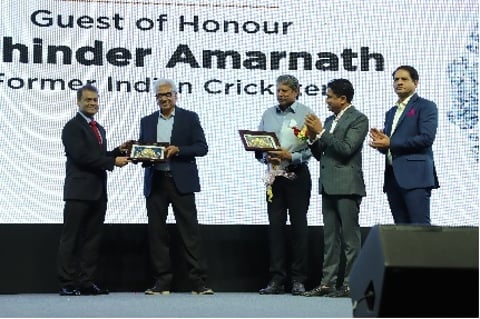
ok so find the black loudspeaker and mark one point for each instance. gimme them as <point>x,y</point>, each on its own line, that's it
<point>416,271</point>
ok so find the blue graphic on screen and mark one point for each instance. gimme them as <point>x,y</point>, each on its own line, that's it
<point>463,75</point>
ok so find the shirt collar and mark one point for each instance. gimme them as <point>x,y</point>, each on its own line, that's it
<point>88,119</point>
<point>339,115</point>
<point>402,104</point>
<point>292,108</point>
<point>161,116</point>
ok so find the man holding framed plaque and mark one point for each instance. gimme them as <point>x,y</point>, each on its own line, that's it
<point>288,185</point>
<point>85,195</point>
<point>172,179</point>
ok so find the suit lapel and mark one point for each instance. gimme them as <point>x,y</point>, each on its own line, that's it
<point>151,128</point>
<point>86,126</point>
<point>177,123</point>
<point>344,119</point>
<point>329,123</point>
<point>389,121</point>
<point>407,109</point>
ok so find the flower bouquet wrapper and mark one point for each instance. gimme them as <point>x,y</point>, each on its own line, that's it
<point>271,173</point>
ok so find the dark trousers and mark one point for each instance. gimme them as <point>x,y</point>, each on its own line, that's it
<point>292,196</point>
<point>80,241</point>
<point>340,220</point>
<point>164,193</point>
<point>408,206</point>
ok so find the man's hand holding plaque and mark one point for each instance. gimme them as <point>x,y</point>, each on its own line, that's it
<point>171,151</point>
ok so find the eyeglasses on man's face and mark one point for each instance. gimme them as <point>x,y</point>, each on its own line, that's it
<point>168,95</point>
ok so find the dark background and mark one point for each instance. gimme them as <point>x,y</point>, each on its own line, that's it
<point>236,255</point>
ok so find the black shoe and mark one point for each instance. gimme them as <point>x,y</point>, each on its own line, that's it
<point>69,291</point>
<point>342,292</point>
<point>160,288</point>
<point>92,290</point>
<point>319,291</point>
<point>203,291</point>
<point>157,291</point>
<point>297,288</point>
<point>273,288</point>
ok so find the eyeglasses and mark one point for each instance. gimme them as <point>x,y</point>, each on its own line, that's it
<point>168,95</point>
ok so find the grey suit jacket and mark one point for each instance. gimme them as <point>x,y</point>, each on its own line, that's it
<point>340,154</point>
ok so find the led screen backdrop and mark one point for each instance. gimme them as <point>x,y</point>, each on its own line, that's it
<point>225,57</point>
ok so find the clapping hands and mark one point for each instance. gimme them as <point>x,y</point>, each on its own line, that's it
<point>378,139</point>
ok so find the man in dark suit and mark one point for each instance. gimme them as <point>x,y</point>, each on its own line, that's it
<point>173,181</point>
<point>406,141</point>
<point>85,195</point>
<point>338,146</point>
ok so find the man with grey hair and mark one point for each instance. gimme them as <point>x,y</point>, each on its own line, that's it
<point>289,186</point>
<point>173,181</point>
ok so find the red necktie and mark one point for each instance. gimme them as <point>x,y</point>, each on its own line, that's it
<point>95,130</point>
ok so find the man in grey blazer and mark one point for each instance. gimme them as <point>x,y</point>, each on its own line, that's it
<point>338,146</point>
<point>175,182</point>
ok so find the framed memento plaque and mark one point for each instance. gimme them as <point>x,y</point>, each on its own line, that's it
<point>141,152</point>
<point>259,140</point>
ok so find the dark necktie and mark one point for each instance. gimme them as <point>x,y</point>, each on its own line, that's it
<point>93,126</point>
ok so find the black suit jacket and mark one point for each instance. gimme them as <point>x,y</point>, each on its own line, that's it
<point>87,161</point>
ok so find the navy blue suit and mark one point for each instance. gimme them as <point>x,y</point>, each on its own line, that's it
<point>412,175</point>
<point>175,187</point>
<point>188,135</point>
